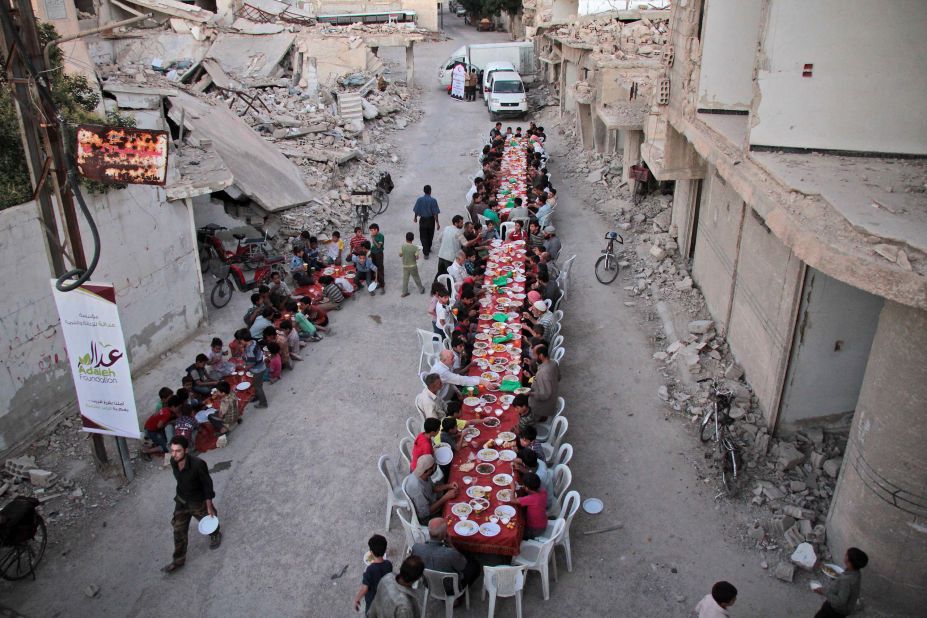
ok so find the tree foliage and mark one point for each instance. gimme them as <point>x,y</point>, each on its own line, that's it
<point>491,8</point>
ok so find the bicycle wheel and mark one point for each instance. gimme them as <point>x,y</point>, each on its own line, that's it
<point>381,201</point>
<point>221,293</point>
<point>361,212</point>
<point>706,426</point>
<point>606,268</point>
<point>730,467</point>
<point>205,257</point>
<point>19,561</point>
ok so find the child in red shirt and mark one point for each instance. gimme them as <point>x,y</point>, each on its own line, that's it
<point>424,442</point>
<point>274,362</point>
<point>535,505</point>
<point>517,234</point>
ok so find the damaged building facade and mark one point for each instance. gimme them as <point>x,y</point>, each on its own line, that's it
<point>796,136</point>
<point>604,69</point>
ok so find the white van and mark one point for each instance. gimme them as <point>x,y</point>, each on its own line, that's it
<point>488,70</point>
<point>507,95</point>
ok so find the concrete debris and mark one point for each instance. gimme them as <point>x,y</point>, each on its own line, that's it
<point>832,467</point>
<point>92,590</point>
<point>41,478</point>
<point>700,327</point>
<point>785,571</point>
<point>19,468</point>
<point>789,456</point>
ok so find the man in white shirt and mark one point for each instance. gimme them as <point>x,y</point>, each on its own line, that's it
<point>450,244</point>
<point>428,401</point>
<point>451,380</point>
<point>476,186</point>
<point>457,270</point>
<point>716,604</point>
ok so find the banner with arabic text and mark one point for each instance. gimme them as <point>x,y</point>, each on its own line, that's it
<point>97,355</point>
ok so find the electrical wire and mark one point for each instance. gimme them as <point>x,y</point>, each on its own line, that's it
<point>76,277</point>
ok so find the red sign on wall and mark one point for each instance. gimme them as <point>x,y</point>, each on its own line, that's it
<point>122,155</point>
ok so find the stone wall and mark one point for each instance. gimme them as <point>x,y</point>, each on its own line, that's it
<point>148,253</point>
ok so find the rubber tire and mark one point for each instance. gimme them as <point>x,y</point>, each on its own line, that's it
<point>706,425</point>
<point>730,465</point>
<point>604,279</point>
<point>205,254</point>
<point>381,198</point>
<point>221,293</point>
<point>42,531</point>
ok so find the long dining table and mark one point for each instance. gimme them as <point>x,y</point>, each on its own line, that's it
<point>484,518</point>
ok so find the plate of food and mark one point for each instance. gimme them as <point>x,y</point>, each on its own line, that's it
<point>522,390</point>
<point>490,529</point>
<point>502,480</point>
<point>470,432</point>
<point>498,347</point>
<point>832,570</point>
<point>478,491</point>
<point>479,352</point>
<point>505,495</point>
<point>479,504</point>
<point>465,527</point>
<point>506,399</point>
<point>493,387</point>
<point>485,316</point>
<point>490,376</point>
<point>485,468</point>
<point>480,345</point>
<point>466,467</point>
<point>472,401</point>
<point>506,436</point>
<point>488,454</point>
<point>489,398</point>
<point>243,386</point>
<point>483,336</point>
<point>491,422</point>
<point>507,455</point>
<point>462,509</point>
<point>504,510</point>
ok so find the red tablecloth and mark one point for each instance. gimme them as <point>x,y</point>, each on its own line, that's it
<point>508,541</point>
<point>314,291</point>
<point>206,436</point>
<point>514,167</point>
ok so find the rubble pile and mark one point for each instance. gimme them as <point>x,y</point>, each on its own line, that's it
<point>52,470</point>
<point>785,495</point>
<point>607,36</point>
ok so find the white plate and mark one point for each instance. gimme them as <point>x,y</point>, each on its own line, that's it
<point>372,287</point>
<point>505,510</point>
<point>835,567</point>
<point>505,495</point>
<point>444,455</point>
<point>490,529</point>
<point>243,386</point>
<point>489,398</point>
<point>472,401</point>
<point>507,455</point>
<point>507,399</point>
<point>491,422</point>
<point>479,491</point>
<point>593,506</point>
<point>488,454</point>
<point>461,509</point>
<point>502,480</point>
<point>208,524</point>
<point>506,436</point>
<point>465,527</point>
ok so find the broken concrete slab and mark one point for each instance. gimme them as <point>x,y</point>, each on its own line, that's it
<point>41,478</point>
<point>250,57</point>
<point>785,571</point>
<point>700,327</point>
<point>789,456</point>
<point>804,556</point>
<point>832,467</point>
<point>246,26</point>
<point>258,169</point>
<point>176,9</point>
<point>130,96</point>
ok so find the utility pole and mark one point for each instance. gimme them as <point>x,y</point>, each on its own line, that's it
<point>42,142</point>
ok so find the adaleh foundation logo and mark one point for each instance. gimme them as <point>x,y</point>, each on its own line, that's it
<point>95,366</point>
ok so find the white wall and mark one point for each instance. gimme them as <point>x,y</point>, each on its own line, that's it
<point>868,89</point>
<point>730,31</point>
<point>148,253</point>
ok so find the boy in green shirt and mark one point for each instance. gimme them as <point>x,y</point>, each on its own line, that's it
<point>377,241</point>
<point>409,254</point>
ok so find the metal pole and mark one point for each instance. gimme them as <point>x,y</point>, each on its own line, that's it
<point>123,449</point>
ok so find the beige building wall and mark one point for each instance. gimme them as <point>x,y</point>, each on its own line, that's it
<point>730,31</point>
<point>62,14</point>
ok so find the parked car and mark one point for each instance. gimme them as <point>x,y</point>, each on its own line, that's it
<point>488,71</point>
<point>507,95</point>
<point>460,11</point>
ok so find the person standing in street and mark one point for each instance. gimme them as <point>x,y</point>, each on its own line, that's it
<point>426,215</point>
<point>842,596</point>
<point>395,597</point>
<point>409,255</point>
<point>377,242</point>
<point>718,601</point>
<point>451,243</point>
<point>193,499</point>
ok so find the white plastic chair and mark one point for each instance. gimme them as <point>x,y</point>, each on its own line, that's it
<point>414,532</point>
<point>558,315</point>
<point>394,497</point>
<point>563,456</point>
<point>421,377</point>
<point>535,556</point>
<point>428,341</point>
<point>544,429</point>
<point>557,355</point>
<point>547,302</point>
<point>570,507</point>
<point>556,342</point>
<point>503,581</point>
<point>434,582</point>
<point>405,453</point>
<point>568,265</point>
<point>505,227</point>
<point>560,300</point>
<point>563,281</point>
<point>414,427</point>
<point>561,485</point>
<point>420,410</point>
<point>448,282</point>
<point>427,361</point>
<point>557,430</point>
